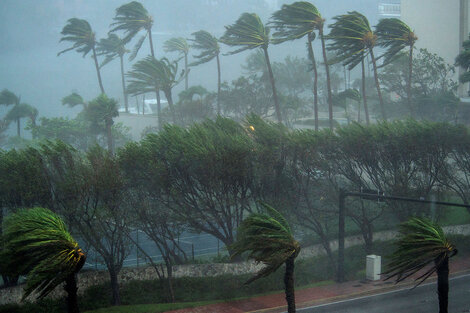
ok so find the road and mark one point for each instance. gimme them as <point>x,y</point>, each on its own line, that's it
<point>422,299</point>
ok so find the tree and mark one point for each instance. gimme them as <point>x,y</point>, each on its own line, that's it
<point>131,18</point>
<point>113,47</point>
<point>394,35</point>
<point>209,47</point>
<point>420,243</point>
<point>73,100</point>
<point>80,34</point>
<point>269,239</point>
<point>37,244</point>
<point>352,41</point>
<point>9,98</point>
<point>463,60</point>
<point>250,33</point>
<point>295,21</point>
<point>179,45</point>
<point>20,111</point>
<point>102,110</point>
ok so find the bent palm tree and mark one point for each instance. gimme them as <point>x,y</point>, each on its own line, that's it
<point>294,21</point>
<point>132,18</point>
<point>74,99</point>
<point>352,41</point>
<point>8,98</point>
<point>249,33</point>
<point>179,45</point>
<point>37,244</point>
<point>268,239</point>
<point>113,47</point>
<point>209,47</point>
<point>18,112</point>
<point>421,243</point>
<point>394,35</point>
<point>79,32</point>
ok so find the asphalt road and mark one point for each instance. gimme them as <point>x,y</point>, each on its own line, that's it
<point>422,299</point>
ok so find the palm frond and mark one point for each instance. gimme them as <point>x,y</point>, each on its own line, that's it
<point>8,98</point>
<point>207,44</point>
<point>178,44</point>
<point>78,32</point>
<point>394,35</point>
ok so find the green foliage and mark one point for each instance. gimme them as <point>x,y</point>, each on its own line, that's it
<point>463,60</point>
<point>208,46</point>
<point>8,98</point>
<point>80,34</point>
<point>394,35</point>
<point>37,244</point>
<point>178,44</point>
<point>421,243</point>
<point>112,47</point>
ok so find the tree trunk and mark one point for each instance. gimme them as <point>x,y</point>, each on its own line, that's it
<point>377,84</point>
<point>443,283</point>
<point>315,81</point>
<point>18,127</point>
<point>408,87</point>
<point>98,70</point>
<point>114,286</point>
<point>71,289</point>
<point>273,85</point>
<point>328,81</point>
<point>159,110</point>
<point>109,136</point>
<point>218,85</point>
<point>169,271</point>
<point>126,104</point>
<point>289,284</point>
<point>170,104</point>
<point>151,42</point>
<point>364,97</point>
<point>186,71</point>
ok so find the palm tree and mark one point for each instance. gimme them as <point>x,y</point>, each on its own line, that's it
<point>294,21</point>
<point>103,109</point>
<point>352,94</point>
<point>179,45</point>
<point>18,112</point>
<point>209,47</point>
<point>394,35</point>
<point>79,32</point>
<point>352,41</point>
<point>8,98</point>
<point>132,18</point>
<point>421,243</point>
<point>37,244</point>
<point>249,33</point>
<point>74,99</point>
<point>463,60</point>
<point>113,47</point>
<point>268,239</point>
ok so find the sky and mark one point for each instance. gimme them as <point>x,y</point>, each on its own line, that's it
<point>30,34</point>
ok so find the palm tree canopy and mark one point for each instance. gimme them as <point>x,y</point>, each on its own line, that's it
<point>188,95</point>
<point>101,109</point>
<point>248,32</point>
<point>421,242</point>
<point>112,47</point>
<point>19,111</point>
<point>7,97</point>
<point>72,100</point>
<point>78,32</point>
<point>178,44</point>
<point>394,35</point>
<point>268,239</point>
<point>207,44</point>
<point>295,20</point>
<point>132,18</point>
<point>37,244</point>
<point>351,38</point>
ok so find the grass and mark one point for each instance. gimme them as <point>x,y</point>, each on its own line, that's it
<point>150,308</point>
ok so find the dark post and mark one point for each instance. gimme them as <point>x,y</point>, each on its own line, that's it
<point>340,274</point>
<point>137,248</point>
<point>192,250</point>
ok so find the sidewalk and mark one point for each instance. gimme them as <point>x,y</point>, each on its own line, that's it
<point>317,295</point>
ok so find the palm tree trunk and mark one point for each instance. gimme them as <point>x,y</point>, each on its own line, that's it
<point>443,283</point>
<point>315,81</point>
<point>410,75</point>
<point>71,289</point>
<point>18,127</point>
<point>273,85</point>
<point>328,81</point>
<point>126,104</point>
<point>159,110</point>
<point>289,284</point>
<point>109,136</point>
<point>377,84</point>
<point>98,70</point>
<point>186,71</point>
<point>169,98</point>
<point>151,42</point>
<point>364,97</point>
<point>218,85</point>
